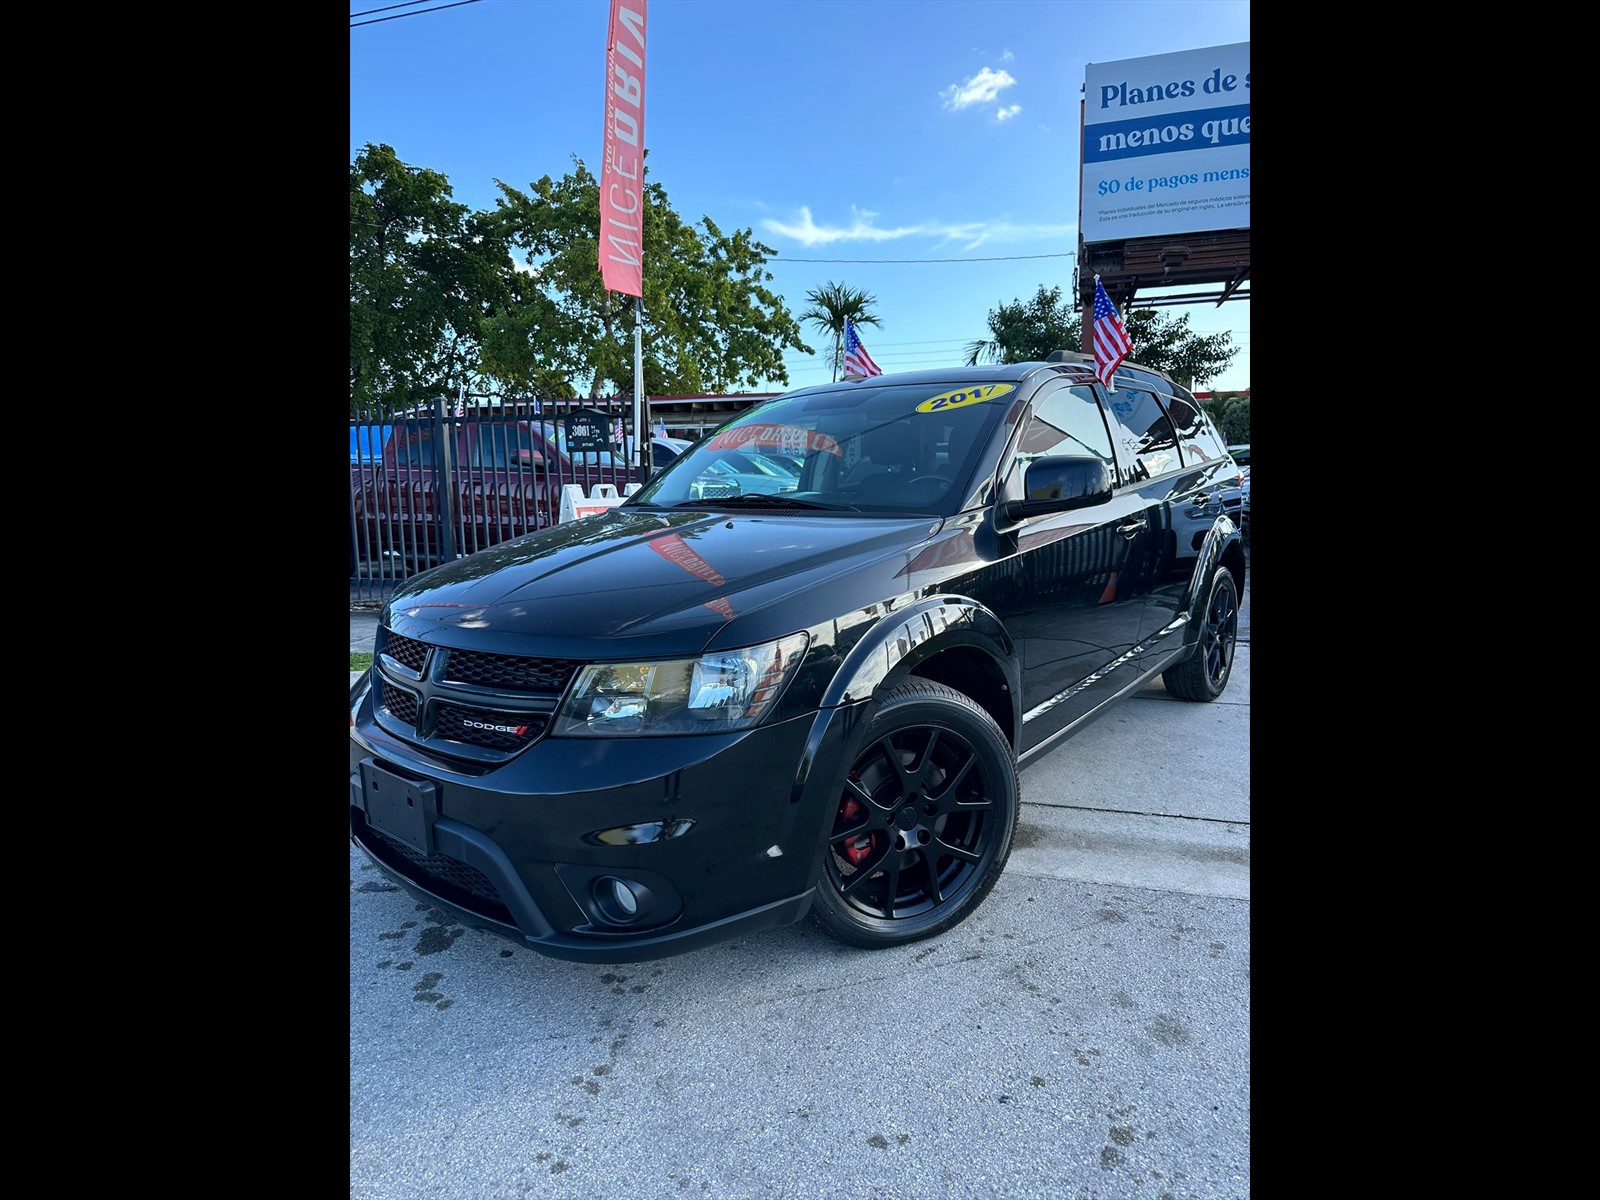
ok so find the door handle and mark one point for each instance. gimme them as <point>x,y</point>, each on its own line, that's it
<point>1202,499</point>
<point>1132,527</point>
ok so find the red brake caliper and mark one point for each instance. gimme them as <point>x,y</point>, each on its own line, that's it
<point>858,847</point>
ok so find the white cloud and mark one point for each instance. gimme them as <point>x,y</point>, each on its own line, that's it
<point>1006,56</point>
<point>982,88</point>
<point>964,235</point>
<point>860,229</point>
<point>1005,114</point>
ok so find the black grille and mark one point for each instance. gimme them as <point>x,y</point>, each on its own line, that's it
<point>509,672</point>
<point>402,704</point>
<point>443,869</point>
<point>406,651</point>
<point>450,721</point>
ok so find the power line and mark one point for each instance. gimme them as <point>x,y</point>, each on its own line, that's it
<point>954,343</point>
<point>367,12</point>
<point>997,258</point>
<point>418,13</point>
<point>929,342</point>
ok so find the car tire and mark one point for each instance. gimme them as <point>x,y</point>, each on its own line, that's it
<point>1204,675</point>
<point>924,823</point>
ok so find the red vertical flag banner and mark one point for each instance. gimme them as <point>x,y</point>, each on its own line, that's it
<point>622,174</point>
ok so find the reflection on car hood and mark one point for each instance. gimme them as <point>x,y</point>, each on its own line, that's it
<point>630,583</point>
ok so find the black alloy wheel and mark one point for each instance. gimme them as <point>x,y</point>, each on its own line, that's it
<point>1203,676</point>
<point>924,824</point>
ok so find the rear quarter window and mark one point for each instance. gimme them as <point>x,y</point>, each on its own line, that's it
<point>1146,443</point>
<point>1197,439</point>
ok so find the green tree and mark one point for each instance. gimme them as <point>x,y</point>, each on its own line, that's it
<point>1027,332</point>
<point>1217,406</point>
<point>424,272</point>
<point>1236,422</point>
<point>711,323</point>
<point>1164,342</point>
<point>831,305</point>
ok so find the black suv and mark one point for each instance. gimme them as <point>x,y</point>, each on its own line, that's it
<point>697,715</point>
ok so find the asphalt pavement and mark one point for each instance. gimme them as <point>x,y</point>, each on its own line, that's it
<point>1085,1034</point>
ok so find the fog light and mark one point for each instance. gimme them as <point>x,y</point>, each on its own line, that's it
<point>622,895</point>
<point>621,901</point>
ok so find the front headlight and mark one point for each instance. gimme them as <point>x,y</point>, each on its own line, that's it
<point>715,693</point>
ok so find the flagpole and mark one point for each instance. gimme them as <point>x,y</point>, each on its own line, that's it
<point>1088,317</point>
<point>642,450</point>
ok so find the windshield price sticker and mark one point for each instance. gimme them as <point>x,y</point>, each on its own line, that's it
<point>977,394</point>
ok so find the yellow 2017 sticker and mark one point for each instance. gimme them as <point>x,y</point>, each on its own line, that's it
<point>976,394</point>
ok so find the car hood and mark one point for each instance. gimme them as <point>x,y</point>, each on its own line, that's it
<point>632,583</point>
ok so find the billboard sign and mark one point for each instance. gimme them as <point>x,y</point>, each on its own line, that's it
<point>1166,145</point>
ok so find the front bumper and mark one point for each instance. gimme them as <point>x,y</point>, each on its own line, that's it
<point>717,835</point>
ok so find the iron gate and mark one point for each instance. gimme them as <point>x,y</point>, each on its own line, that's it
<point>426,488</point>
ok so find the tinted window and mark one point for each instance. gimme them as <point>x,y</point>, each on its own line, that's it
<point>500,446</point>
<point>1067,421</point>
<point>1196,438</point>
<point>413,446</point>
<point>1145,441</point>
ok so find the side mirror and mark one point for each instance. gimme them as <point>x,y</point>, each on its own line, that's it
<point>1060,483</point>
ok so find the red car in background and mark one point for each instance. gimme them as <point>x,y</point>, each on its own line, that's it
<point>442,490</point>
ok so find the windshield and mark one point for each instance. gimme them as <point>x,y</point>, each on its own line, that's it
<point>853,447</point>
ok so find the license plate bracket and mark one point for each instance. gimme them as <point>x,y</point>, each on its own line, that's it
<point>402,808</point>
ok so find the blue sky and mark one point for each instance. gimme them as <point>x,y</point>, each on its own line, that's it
<point>875,130</point>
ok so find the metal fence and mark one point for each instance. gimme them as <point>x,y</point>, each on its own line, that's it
<point>428,487</point>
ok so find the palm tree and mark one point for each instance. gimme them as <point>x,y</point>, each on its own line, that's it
<point>830,306</point>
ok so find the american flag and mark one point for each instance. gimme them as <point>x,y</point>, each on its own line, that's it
<point>858,363</point>
<point>617,434</point>
<point>1111,344</point>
